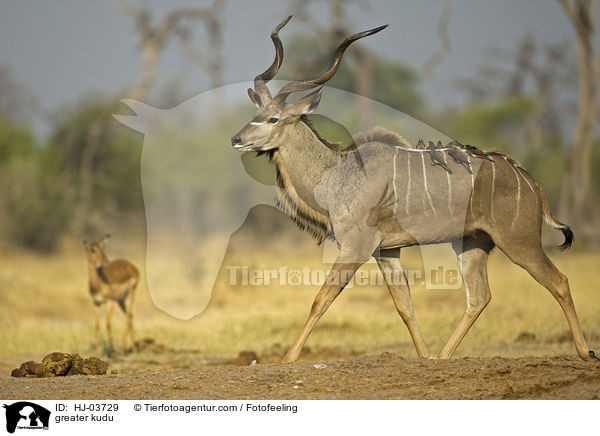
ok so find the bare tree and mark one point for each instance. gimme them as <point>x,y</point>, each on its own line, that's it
<point>337,27</point>
<point>542,73</point>
<point>16,101</point>
<point>152,39</point>
<point>442,28</point>
<point>576,185</point>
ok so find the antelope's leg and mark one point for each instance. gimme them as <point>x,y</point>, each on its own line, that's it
<point>109,308</point>
<point>472,260</point>
<point>97,325</point>
<point>128,310</point>
<point>395,278</point>
<point>128,333</point>
<point>336,280</point>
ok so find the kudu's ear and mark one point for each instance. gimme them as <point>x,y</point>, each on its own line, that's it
<point>308,103</point>
<point>254,97</point>
<point>105,239</point>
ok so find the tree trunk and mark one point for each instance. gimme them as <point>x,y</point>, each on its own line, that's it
<point>149,58</point>
<point>577,175</point>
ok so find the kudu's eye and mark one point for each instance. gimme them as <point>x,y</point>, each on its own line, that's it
<point>273,120</point>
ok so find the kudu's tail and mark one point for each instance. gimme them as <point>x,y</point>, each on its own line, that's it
<point>565,229</point>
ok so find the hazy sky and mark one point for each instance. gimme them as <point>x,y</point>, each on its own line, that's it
<point>61,49</point>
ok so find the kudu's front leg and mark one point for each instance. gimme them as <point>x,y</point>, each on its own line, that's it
<point>336,280</point>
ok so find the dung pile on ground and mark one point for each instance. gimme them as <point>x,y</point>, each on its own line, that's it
<point>61,364</point>
<point>245,358</point>
<point>525,337</point>
<point>149,345</point>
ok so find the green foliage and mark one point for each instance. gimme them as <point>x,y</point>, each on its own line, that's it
<point>15,141</point>
<point>547,165</point>
<point>595,169</point>
<point>87,173</point>
<point>500,126</point>
<point>392,83</point>
<point>35,199</point>
<point>492,126</point>
<point>101,158</point>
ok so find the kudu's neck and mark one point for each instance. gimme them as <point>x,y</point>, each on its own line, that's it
<point>305,158</point>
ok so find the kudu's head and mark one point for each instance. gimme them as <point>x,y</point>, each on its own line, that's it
<point>273,113</point>
<point>95,254</point>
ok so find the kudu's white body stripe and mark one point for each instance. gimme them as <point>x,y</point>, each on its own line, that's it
<point>394,185</point>
<point>530,187</point>
<point>518,192</point>
<point>407,183</point>
<point>449,194</point>
<point>426,187</point>
<point>493,187</point>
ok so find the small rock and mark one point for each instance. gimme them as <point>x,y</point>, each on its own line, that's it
<point>18,372</point>
<point>253,363</point>
<point>319,365</point>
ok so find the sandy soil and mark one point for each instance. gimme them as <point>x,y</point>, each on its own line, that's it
<point>382,376</point>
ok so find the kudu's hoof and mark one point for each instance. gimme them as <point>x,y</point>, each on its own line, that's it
<point>593,355</point>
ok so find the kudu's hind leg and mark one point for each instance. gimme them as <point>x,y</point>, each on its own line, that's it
<point>395,278</point>
<point>472,261</point>
<point>543,271</point>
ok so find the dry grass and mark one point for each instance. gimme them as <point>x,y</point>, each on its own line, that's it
<point>46,307</point>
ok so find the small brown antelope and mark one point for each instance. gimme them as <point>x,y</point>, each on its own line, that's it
<point>111,282</point>
<point>384,195</point>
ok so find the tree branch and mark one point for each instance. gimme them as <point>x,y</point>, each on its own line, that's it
<point>446,47</point>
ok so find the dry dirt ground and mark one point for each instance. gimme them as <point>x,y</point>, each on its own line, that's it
<point>320,375</point>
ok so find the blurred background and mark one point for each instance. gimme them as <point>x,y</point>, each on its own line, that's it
<point>519,77</point>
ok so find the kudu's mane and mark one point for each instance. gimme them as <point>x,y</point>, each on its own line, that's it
<point>381,135</point>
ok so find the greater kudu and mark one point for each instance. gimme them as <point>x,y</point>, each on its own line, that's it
<point>384,195</point>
